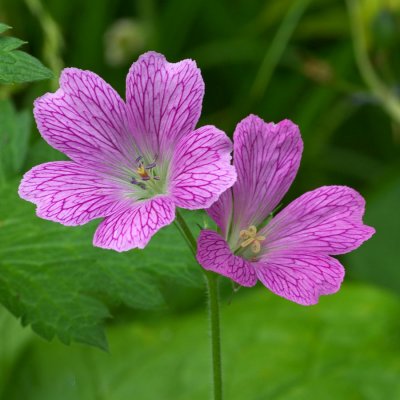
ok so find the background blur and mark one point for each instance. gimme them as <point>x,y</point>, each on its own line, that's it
<point>330,66</point>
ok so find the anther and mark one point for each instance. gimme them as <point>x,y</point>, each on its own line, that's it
<point>250,237</point>
<point>255,246</point>
<point>144,171</point>
<point>134,181</point>
<point>151,166</point>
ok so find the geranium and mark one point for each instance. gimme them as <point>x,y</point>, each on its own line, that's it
<point>134,162</point>
<point>290,253</point>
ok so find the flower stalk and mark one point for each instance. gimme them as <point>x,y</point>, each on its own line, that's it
<point>213,309</point>
<point>186,232</point>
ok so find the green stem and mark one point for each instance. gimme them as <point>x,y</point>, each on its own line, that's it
<point>186,232</point>
<point>389,101</point>
<point>213,307</point>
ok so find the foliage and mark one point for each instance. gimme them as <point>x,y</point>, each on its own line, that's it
<point>285,59</point>
<point>15,130</point>
<point>16,66</point>
<point>326,352</point>
<point>54,279</point>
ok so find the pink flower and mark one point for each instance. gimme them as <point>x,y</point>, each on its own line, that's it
<point>290,254</point>
<point>132,162</point>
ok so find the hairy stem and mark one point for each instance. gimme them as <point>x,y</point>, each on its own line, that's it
<point>186,232</point>
<point>213,308</point>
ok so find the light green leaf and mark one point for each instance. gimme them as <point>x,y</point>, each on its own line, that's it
<point>17,67</point>
<point>4,27</point>
<point>344,348</point>
<point>10,43</point>
<point>53,278</point>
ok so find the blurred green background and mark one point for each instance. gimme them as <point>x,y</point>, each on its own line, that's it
<point>333,67</point>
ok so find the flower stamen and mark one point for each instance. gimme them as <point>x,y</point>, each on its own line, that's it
<point>134,181</point>
<point>249,237</point>
<point>145,173</point>
<point>141,171</point>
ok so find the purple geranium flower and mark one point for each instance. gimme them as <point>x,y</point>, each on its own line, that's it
<point>134,162</point>
<point>290,253</point>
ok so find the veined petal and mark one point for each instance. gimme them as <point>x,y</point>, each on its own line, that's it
<point>214,254</point>
<point>300,276</point>
<point>68,193</point>
<point>266,157</point>
<point>133,226</point>
<point>85,119</point>
<point>221,211</point>
<point>164,101</point>
<point>201,169</point>
<point>327,220</point>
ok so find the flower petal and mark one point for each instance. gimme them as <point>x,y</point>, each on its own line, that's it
<point>201,169</point>
<point>214,254</point>
<point>221,211</point>
<point>85,118</point>
<point>68,193</point>
<point>134,226</point>
<point>266,157</point>
<point>300,276</point>
<point>327,220</point>
<point>164,101</point>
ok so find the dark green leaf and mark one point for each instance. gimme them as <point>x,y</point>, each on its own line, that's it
<point>55,280</point>
<point>14,138</point>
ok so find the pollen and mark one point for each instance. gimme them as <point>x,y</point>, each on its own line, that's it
<point>250,238</point>
<point>144,175</point>
<point>141,171</point>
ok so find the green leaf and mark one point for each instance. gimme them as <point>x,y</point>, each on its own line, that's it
<point>17,67</point>
<point>10,43</point>
<point>53,278</point>
<point>346,348</point>
<point>4,27</point>
<point>15,128</point>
